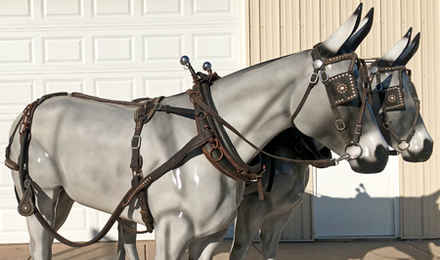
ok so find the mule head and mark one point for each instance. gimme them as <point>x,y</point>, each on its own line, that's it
<point>396,104</point>
<point>350,125</point>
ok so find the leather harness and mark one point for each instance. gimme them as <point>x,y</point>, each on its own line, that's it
<point>211,137</point>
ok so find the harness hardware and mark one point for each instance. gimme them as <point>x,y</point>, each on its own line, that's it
<point>136,142</point>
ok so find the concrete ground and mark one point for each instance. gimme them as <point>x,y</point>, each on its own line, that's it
<point>330,250</point>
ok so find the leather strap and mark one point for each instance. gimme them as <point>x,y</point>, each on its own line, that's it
<point>320,163</point>
<point>142,116</point>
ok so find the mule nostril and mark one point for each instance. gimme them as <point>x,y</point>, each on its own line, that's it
<point>419,155</point>
<point>428,145</point>
<point>381,153</point>
<point>375,164</point>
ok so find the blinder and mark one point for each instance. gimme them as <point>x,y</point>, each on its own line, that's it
<point>343,85</point>
<point>343,88</point>
<point>394,98</point>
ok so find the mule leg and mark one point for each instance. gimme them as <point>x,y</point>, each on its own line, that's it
<point>270,233</point>
<point>40,244</point>
<point>173,235</point>
<point>62,210</point>
<point>127,241</point>
<point>203,248</point>
<point>251,214</point>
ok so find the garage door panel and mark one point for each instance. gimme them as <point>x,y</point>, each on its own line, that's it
<point>114,88</point>
<point>59,50</point>
<point>6,183</point>
<point>10,216</point>
<point>163,86</point>
<point>19,93</point>
<point>56,8</point>
<point>118,49</point>
<point>140,49</point>
<point>23,50</point>
<point>60,85</point>
<point>15,9</point>
<point>50,12</point>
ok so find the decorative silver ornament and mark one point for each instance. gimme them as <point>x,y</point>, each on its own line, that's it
<point>392,98</point>
<point>184,60</point>
<point>317,64</point>
<point>207,66</point>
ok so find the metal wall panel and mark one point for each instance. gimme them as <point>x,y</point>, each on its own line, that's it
<point>300,24</point>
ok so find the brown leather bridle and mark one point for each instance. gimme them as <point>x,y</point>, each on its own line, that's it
<point>331,85</point>
<point>392,98</point>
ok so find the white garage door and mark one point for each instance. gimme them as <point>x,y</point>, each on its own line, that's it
<point>121,49</point>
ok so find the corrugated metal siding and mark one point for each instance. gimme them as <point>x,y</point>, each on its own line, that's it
<point>280,27</point>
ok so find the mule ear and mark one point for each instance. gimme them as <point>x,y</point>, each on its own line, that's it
<point>334,42</point>
<point>392,54</point>
<point>409,52</point>
<point>355,40</point>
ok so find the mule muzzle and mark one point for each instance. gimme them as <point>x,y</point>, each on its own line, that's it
<point>412,154</point>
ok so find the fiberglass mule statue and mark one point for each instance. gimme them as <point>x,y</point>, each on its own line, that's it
<point>270,216</point>
<point>79,148</point>
<point>294,140</point>
<point>288,185</point>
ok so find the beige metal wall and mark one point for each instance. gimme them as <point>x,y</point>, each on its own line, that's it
<point>279,27</point>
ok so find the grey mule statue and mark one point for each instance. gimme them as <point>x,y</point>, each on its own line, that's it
<point>270,216</point>
<point>285,188</point>
<point>71,148</point>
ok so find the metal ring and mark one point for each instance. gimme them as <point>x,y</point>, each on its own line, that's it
<point>353,157</point>
<point>386,125</point>
<point>342,124</point>
<point>327,77</point>
<point>202,115</point>
<point>27,183</point>
<point>313,78</point>
<point>378,89</point>
<point>406,145</point>
<point>212,158</point>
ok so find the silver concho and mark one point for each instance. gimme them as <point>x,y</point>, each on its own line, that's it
<point>392,98</point>
<point>342,88</point>
<point>317,64</point>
